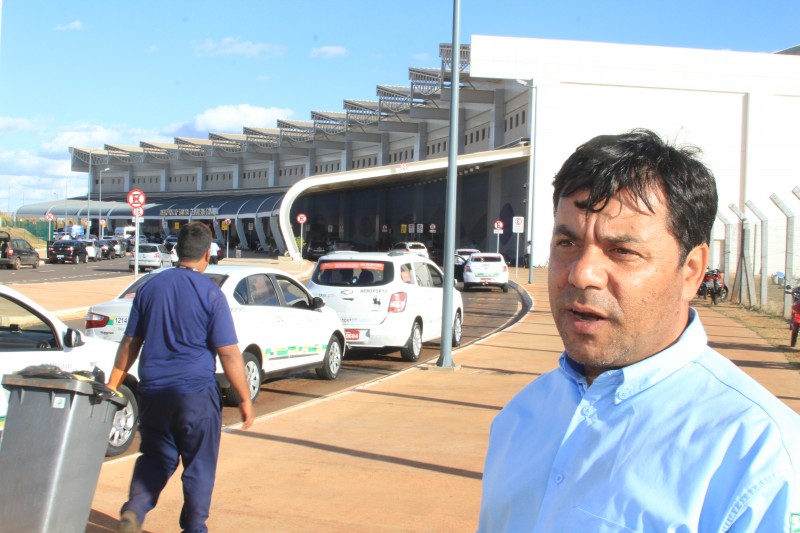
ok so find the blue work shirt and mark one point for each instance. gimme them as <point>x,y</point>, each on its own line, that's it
<point>182,317</point>
<point>680,441</point>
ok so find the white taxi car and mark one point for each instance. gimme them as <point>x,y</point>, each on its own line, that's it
<point>281,327</point>
<point>487,270</point>
<point>31,335</point>
<point>389,299</point>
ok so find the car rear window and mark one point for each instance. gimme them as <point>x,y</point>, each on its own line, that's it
<point>416,246</point>
<point>486,259</point>
<point>354,273</point>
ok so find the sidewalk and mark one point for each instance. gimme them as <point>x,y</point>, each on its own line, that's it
<point>401,454</point>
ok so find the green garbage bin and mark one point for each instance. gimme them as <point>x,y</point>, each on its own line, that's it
<point>52,449</point>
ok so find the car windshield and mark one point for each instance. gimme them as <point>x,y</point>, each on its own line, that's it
<point>354,273</point>
<point>130,292</point>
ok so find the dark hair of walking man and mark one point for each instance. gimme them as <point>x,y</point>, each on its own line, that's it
<point>180,321</point>
<point>642,427</point>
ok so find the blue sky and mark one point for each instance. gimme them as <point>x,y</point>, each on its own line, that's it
<point>97,72</point>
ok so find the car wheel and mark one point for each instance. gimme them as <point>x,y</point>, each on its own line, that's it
<point>505,287</point>
<point>413,347</point>
<point>123,429</point>
<point>16,264</point>
<point>35,263</point>
<point>252,373</point>
<point>76,259</point>
<point>457,330</point>
<point>332,361</point>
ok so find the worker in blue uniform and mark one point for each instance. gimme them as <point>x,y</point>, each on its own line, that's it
<point>179,321</point>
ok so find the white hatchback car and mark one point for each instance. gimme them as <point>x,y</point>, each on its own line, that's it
<point>389,299</point>
<point>413,247</point>
<point>282,328</point>
<point>150,256</point>
<point>31,335</point>
<point>486,269</point>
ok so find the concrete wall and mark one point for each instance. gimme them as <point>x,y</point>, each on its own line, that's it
<point>741,109</point>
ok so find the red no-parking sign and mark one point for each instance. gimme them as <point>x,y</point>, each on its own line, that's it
<point>49,217</point>
<point>136,198</point>
<point>301,218</point>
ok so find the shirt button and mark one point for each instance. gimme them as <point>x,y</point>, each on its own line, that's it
<point>587,410</point>
<point>622,394</point>
<point>559,478</point>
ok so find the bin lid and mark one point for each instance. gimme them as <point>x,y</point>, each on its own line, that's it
<point>79,386</point>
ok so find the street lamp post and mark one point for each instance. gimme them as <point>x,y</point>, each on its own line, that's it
<point>532,112</point>
<point>100,204</point>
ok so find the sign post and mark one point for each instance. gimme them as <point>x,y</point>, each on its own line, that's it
<point>136,200</point>
<point>301,219</point>
<point>498,230</point>
<point>517,227</point>
<point>226,225</point>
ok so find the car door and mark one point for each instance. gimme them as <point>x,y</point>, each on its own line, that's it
<point>306,330</point>
<point>260,321</point>
<point>428,300</point>
<point>29,338</point>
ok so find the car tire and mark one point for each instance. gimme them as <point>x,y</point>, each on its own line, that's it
<point>332,361</point>
<point>16,264</point>
<point>123,429</point>
<point>76,259</point>
<point>35,263</point>
<point>505,287</point>
<point>457,330</point>
<point>413,347</point>
<point>252,373</point>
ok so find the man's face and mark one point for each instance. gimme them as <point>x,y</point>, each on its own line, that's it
<point>617,291</point>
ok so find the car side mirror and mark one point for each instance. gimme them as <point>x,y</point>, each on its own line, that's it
<point>317,303</point>
<point>73,338</point>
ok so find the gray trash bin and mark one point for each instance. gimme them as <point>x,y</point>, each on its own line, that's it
<point>52,449</point>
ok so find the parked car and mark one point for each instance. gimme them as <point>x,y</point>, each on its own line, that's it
<point>150,256</point>
<point>462,254</point>
<point>15,252</point>
<point>31,335</point>
<point>116,248</point>
<point>338,245</point>
<point>412,247</point>
<point>93,251</point>
<point>104,249</point>
<point>68,250</point>
<point>315,249</point>
<point>282,327</point>
<point>487,270</point>
<point>170,241</point>
<point>385,299</point>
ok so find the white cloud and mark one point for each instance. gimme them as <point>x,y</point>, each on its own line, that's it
<point>232,118</point>
<point>328,52</point>
<point>421,57</point>
<point>234,46</point>
<point>75,25</point>
<point>14,125</point>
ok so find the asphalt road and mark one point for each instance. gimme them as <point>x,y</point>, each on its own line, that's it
<point>66,271</point>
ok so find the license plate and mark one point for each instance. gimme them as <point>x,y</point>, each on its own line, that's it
<point>59,257</point>
<point>352,334</point>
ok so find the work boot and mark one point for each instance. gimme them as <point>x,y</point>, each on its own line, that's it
<point>129,522</point>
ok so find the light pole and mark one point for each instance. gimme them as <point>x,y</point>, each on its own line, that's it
<point>100,204</point>
<point>533,109</point>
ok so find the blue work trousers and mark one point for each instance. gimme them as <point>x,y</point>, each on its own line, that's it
<point>173,426</point>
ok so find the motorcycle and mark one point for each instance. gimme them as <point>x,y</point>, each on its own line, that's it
<point>713,285</point>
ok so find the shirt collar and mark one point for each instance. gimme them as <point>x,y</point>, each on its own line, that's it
<point>640,376</point>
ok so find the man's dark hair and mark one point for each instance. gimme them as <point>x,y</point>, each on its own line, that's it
<point>194,239</point>
<point>640,162</point>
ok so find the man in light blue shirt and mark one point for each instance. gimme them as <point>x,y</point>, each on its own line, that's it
<point>642,427</point>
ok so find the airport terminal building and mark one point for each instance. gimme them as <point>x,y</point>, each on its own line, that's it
<point>375,172</point>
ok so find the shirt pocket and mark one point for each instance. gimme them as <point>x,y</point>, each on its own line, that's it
<point>579,520</point>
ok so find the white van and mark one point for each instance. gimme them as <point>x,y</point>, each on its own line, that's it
<point>389,299</point>
<point>125,232</point>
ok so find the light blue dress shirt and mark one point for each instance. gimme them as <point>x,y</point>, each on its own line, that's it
<point>682,441</point>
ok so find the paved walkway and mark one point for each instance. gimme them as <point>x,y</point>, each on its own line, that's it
<point>402,454</point>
